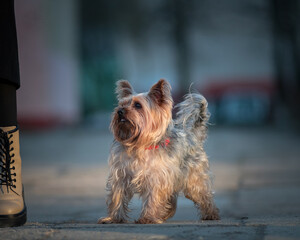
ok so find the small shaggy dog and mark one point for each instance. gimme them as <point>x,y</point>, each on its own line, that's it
<point>156,157</point>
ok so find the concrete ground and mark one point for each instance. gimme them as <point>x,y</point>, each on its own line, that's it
<point>257,179</point>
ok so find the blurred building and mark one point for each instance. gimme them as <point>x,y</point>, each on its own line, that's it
<point>48,37</point>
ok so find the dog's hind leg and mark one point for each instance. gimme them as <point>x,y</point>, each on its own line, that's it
<point>198,189</point>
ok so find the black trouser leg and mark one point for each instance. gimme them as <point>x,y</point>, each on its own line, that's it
<point>8,104</point>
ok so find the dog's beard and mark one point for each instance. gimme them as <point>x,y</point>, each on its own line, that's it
<point>125,130</point>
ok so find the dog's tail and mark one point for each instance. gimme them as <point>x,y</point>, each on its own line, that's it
<point>193,114</point>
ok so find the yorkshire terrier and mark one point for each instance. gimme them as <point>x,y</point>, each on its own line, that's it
<point>157,157</point>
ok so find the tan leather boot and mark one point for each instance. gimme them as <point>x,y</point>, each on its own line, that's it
<point>12,204</point>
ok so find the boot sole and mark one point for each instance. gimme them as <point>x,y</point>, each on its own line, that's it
<point>13,220</point>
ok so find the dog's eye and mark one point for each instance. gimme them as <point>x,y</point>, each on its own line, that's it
<point>137,105</point>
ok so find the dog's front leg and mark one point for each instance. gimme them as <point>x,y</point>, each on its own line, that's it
<point>117,202</point>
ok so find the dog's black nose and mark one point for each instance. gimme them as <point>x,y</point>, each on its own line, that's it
<point>121,112</point>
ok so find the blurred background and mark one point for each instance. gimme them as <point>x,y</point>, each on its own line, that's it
<point>243,56</point>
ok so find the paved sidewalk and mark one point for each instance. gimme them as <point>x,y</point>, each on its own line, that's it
<point>257,179</point>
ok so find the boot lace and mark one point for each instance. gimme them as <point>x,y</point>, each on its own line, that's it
<point>7,178</point>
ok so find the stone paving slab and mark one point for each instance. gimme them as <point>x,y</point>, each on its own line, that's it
<point>224,229</point>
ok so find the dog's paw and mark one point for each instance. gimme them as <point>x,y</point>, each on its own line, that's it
<point>109,220</point>
<point>213,216</point>
<point>105,220</point>
<point>147,221</point>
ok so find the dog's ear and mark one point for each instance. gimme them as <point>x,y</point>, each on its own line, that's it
<point>160,92</point>
<point>123,89</point>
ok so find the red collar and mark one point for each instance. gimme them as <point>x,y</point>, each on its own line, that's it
<point>164,144</point>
